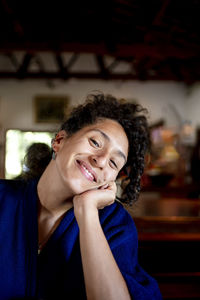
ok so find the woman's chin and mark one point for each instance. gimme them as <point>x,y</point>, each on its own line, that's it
<point>77,186</point>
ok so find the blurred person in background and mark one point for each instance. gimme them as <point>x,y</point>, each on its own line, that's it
<point>36,159</point>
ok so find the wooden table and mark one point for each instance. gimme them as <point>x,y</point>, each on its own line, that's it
<point>169,244</point>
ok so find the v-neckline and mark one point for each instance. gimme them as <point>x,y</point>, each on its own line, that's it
<point>59,230</point>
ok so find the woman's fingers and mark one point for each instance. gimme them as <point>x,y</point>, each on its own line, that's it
<point>88,203</point>
<point>99,198</point>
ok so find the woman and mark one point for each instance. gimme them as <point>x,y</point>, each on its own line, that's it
<point>65,236</point>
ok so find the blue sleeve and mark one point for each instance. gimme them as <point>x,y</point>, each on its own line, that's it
<point>121,235</point>
<point>140,284</point>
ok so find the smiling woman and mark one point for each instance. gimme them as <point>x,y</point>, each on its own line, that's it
<point>80,243</point>
<point>97,151</point>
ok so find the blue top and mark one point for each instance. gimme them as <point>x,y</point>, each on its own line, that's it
<point>57,272</point>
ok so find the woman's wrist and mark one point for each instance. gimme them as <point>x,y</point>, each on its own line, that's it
<point>85,214</point>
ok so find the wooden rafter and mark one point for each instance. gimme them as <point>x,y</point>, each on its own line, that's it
<point>103,70</point>
<point>62,68</point>
<point>23,69</point>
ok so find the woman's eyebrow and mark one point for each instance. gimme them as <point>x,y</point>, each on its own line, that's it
<point>106,137</point>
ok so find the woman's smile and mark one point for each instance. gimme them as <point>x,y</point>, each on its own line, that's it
<point>86,170</point>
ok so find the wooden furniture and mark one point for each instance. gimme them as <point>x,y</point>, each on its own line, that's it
<point>169,250</point>
<point>169,242</point>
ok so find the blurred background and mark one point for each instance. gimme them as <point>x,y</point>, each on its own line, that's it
<point>52,54</point>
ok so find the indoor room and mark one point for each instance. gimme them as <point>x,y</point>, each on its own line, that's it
<point>146,52</point>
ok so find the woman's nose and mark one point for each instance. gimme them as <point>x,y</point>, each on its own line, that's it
<point>99,161</point>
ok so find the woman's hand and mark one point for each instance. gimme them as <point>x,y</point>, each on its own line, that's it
<point>90,201</point>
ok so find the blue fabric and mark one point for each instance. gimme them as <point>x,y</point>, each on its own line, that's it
<point>57,272</point>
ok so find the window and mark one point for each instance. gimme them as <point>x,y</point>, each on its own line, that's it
<point>17,142</point>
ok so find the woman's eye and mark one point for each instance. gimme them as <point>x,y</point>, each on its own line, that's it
<point>113,163</point>
<point>95,143</point>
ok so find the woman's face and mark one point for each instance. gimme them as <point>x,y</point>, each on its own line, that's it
<point>91,157</point>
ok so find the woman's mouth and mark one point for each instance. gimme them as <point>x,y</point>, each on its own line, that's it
<point>86,171</point>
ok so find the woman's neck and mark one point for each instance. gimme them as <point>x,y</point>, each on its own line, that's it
<point>54,199</point>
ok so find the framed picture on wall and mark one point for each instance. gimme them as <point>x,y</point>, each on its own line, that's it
<point>50,109</point>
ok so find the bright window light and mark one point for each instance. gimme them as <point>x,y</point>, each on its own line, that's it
<point>17,143</point>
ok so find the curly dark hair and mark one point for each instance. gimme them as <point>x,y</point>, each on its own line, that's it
<point>98,106</point>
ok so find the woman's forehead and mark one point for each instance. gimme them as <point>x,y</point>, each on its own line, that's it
<point>111,131</point>
<point>107,125</point>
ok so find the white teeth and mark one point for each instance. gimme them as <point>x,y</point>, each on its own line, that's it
<point>88,172</point>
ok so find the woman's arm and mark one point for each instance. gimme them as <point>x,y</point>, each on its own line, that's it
<point>103,279</point>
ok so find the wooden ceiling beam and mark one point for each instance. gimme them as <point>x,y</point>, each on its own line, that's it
<point>12,57</point>
<point>62,68</point>
<point>114,63</point>
<point>72,60</point>
<point>86,75</point>
<point>38,60</point>
<point>23,69</point>
<point>103,70</point>
<point>135,50</point>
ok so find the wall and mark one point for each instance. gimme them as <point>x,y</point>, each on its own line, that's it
<point>158,97</point>
<point>168,100</point>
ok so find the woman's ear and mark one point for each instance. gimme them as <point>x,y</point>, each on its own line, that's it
<point>56,142</point>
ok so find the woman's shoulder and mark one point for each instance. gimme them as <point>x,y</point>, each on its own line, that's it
<point>13,188</point>
<point>11,185</point>
<point>116,211</point>
<point>116,219</point>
